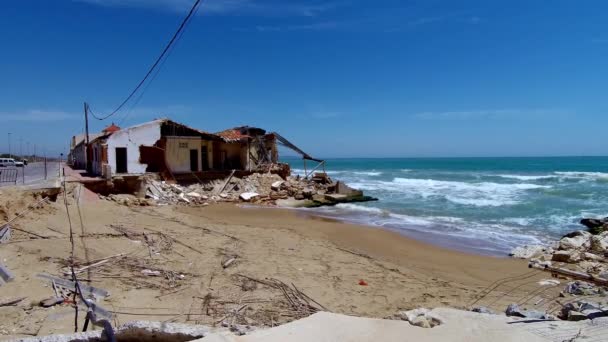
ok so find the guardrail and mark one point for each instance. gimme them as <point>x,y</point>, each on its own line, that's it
<point>8,176</point>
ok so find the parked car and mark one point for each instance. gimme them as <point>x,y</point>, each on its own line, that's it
<point>7,162</point>
<point>19,163</point>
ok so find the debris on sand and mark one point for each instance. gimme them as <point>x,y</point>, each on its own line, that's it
<point>257,188</point>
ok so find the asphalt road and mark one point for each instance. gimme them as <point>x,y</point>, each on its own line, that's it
<point>34,173</point>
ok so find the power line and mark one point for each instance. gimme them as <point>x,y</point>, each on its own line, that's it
<point>176,35</point>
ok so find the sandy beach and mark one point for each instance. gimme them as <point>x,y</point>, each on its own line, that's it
<point>189,247</point>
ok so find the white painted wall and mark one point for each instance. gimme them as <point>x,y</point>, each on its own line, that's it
<point>146,134</point>
<point>177,153</point>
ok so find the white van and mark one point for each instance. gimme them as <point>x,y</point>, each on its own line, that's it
<point>9,162</point>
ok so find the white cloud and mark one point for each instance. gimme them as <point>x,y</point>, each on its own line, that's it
<point>251,7</point>
<point>36,115</point>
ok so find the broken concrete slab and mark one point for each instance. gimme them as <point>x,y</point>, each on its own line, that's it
<point>135,331</point>
<point>247,196</point>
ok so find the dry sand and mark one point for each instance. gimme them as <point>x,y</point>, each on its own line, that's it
<point>188,245</point>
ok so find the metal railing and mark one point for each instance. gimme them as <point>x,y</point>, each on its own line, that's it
<point>8,176</point>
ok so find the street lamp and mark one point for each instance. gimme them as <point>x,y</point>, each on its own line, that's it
<point>9,145</point>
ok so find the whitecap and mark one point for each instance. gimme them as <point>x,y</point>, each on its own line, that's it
<point>583,175</point>
<point>470,194</point>
<point>527,177</point>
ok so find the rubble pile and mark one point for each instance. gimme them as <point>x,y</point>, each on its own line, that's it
<point>580,249</point>
<point>259,188</point>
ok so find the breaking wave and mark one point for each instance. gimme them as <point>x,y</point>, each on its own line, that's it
<point>475,194</point>
<point>528,178</point>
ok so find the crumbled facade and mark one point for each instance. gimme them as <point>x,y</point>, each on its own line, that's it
<point>172,149</point>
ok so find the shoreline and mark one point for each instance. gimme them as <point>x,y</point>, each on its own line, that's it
<point>368,241</point>
<point>436,239</point>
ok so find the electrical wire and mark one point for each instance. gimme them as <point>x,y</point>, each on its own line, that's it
<point>175,37</point>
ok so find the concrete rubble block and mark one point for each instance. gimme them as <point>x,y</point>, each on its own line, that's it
<point>421,317</point>
<point>248,196</point>
<point>276,186</point>
<point>527,251</point>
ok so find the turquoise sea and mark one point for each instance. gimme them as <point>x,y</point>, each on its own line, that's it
<point>481,205</point>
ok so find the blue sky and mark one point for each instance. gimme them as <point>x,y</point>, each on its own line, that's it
<point>340,78</point>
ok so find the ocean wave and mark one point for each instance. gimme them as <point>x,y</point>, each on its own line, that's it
<point>583,175</point>
<point>498,238</point>
<point>367,173</point>
<point>472,194</point>
<point>528,177</point>
<point>361,208</point>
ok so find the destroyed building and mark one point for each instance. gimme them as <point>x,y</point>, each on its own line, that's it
<point>179,152</point>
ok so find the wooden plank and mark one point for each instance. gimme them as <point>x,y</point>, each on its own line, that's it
<point>570,273</point>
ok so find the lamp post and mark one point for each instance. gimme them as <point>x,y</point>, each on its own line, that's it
<point>9,145</point>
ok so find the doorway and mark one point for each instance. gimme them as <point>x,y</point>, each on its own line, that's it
<point>194,160</point>
<point>121,160</point>
<point>205,158</point>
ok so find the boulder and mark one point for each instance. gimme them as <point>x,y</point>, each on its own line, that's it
<point>566,256</point>
<point>527,251</point>
<point>247,196</point>
<point>514,310</point>
<point>575,240</point>
<point>592,257</point>
<point>595,226</point>
<point>599,243</point>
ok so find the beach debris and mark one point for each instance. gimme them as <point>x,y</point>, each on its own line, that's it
<point>5,233</point>
<point>581,310</point>
<point>276,186</point>
<point>11,302</point>
<point>513,310</point>
<point>549,282</point>
<point>86,290</point>
<point>483,310</point>
<point>527,251</point>
<point>421,317</point>
<point>247,196</point>
<point>5,274</point>
<point>151,273</point>
<point>51,301</point>
<point>581,288</point>
<point>362,282</point>
<point>228,262</point>
<point>261,188</point>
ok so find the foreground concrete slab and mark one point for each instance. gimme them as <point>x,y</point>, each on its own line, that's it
<point>325,327</point>
<point>458,326</point>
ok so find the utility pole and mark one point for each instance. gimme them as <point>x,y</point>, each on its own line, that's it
<point>21,147</point>
<point>9,145</point>
<point>86,132</point>
<point>34,152</point>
